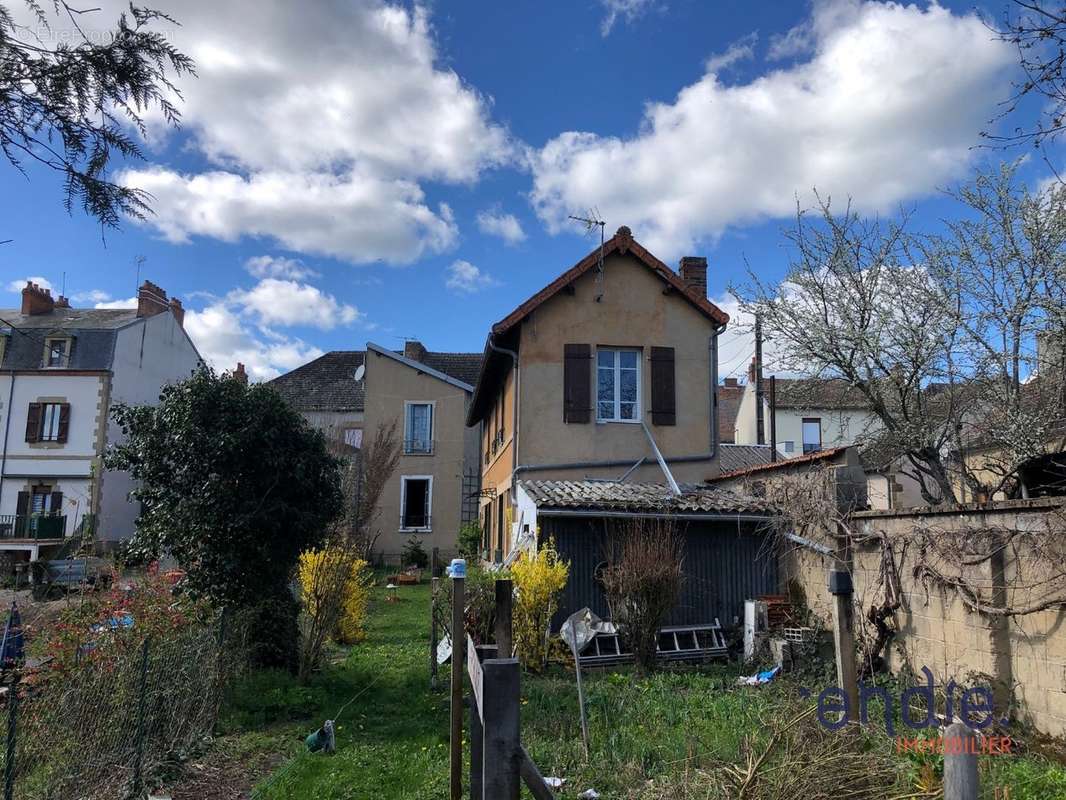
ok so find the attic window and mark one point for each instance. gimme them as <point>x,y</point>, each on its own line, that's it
<point>56,352</point>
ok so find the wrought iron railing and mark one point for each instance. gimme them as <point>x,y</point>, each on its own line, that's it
<point>412,522</point>
<point>418,447</point>
<point>32,526</point>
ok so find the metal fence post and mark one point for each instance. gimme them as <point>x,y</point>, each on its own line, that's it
<point>12,732</point>
<point>138,756</point>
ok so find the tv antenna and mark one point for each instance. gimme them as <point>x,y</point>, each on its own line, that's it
<point>139,261</point>
<point>591,222</point>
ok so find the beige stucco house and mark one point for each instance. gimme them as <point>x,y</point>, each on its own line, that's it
<point>348,394</point>
<point>584,376</point>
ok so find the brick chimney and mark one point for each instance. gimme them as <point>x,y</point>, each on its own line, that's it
<point>62,302</point>
<point>151,300</point>
<point>694,274</point>
<point>414,350</point>
<point>732,381</point>
<point>239,374</point>
<point>36,300</point>
<point>178,311</point>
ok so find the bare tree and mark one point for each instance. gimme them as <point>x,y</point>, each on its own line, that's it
<point>71,106</point>
<point>936,332</point>
<point>364,479</point>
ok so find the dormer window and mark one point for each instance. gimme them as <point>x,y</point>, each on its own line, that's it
<point>56,352</point>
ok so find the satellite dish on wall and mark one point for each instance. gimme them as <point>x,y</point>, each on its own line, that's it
<point>360,371</point>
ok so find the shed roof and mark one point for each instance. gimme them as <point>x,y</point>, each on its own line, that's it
<point>782,464</point>
<point>732,457</point>
<point>641,497</point>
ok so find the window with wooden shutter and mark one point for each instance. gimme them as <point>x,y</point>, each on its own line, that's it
<point>64,422</point>
<point>55,504</point>
<point>33,422</point>
<point>663,393</point>
<point>577,382</point>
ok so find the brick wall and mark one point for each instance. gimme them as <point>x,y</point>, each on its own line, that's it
<point>1023,655</point>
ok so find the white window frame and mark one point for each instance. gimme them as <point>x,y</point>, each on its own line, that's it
<point>788,446</point>
<point>429,502</point>
<point>638,405</point>
<point>64,359</point>
<point>804,422</point>
<point>49,431</point>
<point>432,424</point>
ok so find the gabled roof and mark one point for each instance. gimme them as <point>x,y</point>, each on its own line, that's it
<point>461,364</point>
<point>325,384</point>
<point>622,242</point>
<point>812,393</point>
<point>609,496</point>
<point>70,319</point>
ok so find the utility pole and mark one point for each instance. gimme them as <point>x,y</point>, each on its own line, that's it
<point>760,411</point>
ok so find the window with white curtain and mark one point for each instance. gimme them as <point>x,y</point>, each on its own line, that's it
<point>617,385</point>
<point>418,429</point>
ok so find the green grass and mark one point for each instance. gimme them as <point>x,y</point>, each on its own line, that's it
<point>651,737</point>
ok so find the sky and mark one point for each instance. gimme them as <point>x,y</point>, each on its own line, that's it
<point>363,171</point>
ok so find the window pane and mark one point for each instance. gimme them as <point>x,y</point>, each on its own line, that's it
<point>605,384</point>
<point>605,411</point>
<point>605,358</point>
<point>628,385</point>
<point>627,359</point>
<point>416,503</point>
<point>812,433</point>
<point>629,410</point>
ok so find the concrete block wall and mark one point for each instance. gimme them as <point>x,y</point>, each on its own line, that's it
<point>1023,656</point>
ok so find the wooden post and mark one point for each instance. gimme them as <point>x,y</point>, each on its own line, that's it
<point>501,718</point>
<point>434,588</point>
<point>504,620</point>
<point>960,762</point>
<point>840,586</point>
<point>533,779</point>
<point>458,640</point>
<point>434,563</point>
<point>477,751</point>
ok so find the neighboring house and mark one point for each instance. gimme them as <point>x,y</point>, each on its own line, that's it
<point>580,378</point>
<point>730,393</point>
<point>326,393</point>
<point>61,369</point>
<point>350,394</point>
<point>812,414</point>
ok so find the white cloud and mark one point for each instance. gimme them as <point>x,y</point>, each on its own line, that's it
<point>628,10</point>
<point>321,121</point>
<point>129,302</point>
<point>91,296</point>
<point>495,223</point>
<point>278,302</point>
<point>465,278</point>
<point>883,110</point>
<point>223,339</point>
<point>18,286</point>
<point>355,218</point>
<point>278,267</point>
<point>739,50</point>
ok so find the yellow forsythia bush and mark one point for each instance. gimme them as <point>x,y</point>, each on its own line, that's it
<point>319,581</point>
<point>538,578</point>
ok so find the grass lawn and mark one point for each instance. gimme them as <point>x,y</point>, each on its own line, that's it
<point>671,735</point>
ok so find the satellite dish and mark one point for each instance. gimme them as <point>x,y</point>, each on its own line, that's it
<point>360,371</point>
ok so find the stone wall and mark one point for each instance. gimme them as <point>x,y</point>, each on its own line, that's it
<point>1023,656</point>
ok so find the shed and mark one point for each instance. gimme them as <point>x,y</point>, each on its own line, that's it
<point>727,555</point>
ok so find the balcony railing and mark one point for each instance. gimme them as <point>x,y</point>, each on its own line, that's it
<point>411,522</point>
<point>418,447</point>
<point>32,526</point>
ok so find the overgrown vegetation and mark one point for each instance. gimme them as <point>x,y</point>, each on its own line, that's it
<point>539,577</point>
<point>235,485</point>
<point>643,580</point>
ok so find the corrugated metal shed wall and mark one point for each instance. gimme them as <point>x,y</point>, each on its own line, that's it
<point>724,566</point>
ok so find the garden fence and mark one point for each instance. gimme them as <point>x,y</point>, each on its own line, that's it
<point>106,727</point>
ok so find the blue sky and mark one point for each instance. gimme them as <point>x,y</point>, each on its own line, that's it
<point>371,171</point>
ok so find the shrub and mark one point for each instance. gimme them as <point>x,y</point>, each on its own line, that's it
<point>469,542</point>
<point>336,585</point>
<point>479,616</point>
<point>539,577</point>
<point>643,581</point>
<point>414,555</point>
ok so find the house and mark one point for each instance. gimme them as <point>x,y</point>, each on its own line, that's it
<point>730,393</point>
<point>812,414</point>
<point>61,369</point>
<point>601,373</point>
<point>349,395</point>
<point>725,557</point>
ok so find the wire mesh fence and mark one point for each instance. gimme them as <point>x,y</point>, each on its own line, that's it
<point>108,726</point>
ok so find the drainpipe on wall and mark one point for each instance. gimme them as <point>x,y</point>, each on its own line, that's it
<point>712,355</point>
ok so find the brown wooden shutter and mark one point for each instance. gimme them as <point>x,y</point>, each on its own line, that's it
<point>22,504</point>
<point>64,422</point>
<point>663,395</point>
<point>33,423</point>
<point>56,503</point>
<point>577,388</point>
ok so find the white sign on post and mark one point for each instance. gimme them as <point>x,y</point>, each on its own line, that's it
<point>473,668</point>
